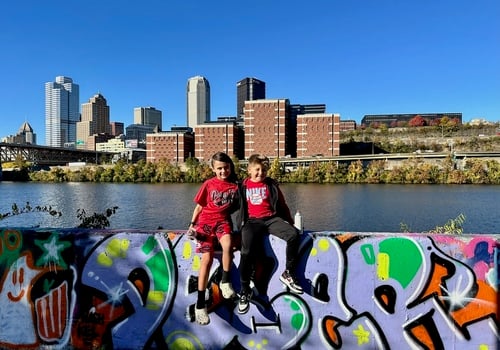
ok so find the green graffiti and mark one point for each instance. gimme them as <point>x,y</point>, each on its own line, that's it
<point>47,285</point>
<point>160,271</point>
<point>368,253</point>
<point>52,249</point>
<point>11,242</point>
<point>149,245</point>
<point>298,319</point>
<point>405,259</point>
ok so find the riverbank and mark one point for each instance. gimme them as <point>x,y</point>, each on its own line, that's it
<point>412,171</point>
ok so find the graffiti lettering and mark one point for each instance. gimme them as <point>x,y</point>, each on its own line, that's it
<point>127,290</point>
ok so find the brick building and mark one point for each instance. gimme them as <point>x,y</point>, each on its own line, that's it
<point>173,146</point>
<point>273,127</point>
<point>267,125</point>
<point>318,134</point>
<point>347,125</point>
<point>213,137</point>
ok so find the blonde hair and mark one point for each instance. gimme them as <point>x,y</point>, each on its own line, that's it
<point>260,160</point>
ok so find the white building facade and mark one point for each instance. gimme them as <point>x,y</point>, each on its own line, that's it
<point>198,101</point>
<point>62,112</point>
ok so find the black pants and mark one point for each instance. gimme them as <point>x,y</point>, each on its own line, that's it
<point>252,238</point>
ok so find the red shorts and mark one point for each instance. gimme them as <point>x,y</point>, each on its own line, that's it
<point>209,234</point>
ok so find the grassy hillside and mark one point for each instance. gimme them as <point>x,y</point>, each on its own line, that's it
<point>464,138</point>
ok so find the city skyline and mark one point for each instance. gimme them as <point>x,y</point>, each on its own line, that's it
<point>378,58</point>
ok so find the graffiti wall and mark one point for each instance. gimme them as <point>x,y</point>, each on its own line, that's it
<point>99,289</point>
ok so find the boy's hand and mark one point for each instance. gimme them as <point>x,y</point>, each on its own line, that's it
<point>191,233</point>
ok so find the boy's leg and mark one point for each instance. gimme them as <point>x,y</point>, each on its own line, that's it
<point>227,257</point>
<point>201,313</point>
<point>284,230</point>
<point>251,235</point>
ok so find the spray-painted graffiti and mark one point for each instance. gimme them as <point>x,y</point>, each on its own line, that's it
<point>136,290</point>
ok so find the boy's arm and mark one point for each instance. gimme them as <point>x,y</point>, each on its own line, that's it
<point>194,217</point>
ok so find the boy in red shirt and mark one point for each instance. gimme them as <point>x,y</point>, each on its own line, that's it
<point>211,222</point>
<point>263,211</point>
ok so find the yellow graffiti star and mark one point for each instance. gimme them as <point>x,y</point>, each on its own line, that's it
<point>362,335</point>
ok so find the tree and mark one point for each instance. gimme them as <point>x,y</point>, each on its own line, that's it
<point>417,121</point>
<point>375,171</point>
<point>275,171</point>
<point>355,172</point>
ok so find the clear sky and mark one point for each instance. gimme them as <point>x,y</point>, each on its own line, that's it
<point>356,56</point>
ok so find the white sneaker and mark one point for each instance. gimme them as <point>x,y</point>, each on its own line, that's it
<point>227,290</point>
<point>201,316</point>
<point>244,302</point>
<point>291,282</point>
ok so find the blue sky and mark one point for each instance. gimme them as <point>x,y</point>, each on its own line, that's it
<point>358,56</point>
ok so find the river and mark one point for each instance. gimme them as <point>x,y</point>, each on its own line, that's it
<point>363,208</point>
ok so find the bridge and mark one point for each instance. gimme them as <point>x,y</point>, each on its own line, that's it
<point>48,156</point>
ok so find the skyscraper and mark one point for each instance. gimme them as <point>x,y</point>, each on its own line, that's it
<point>148,116</point>
<point>198,101</point>
<point>62,99</point>
<point>248,89</point>
<point>95,120</point>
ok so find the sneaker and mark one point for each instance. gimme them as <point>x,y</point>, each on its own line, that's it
<point>244,302</point>
<point>289,280</point>
<point>227,290</point>
<point>201,316</point>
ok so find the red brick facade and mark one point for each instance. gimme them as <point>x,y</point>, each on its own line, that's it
<point>174,147</point>
<point>211,138</point>
<point>347,125</point>
<point>266,127</point>
<point>318,135</point>
<point>269,128</point>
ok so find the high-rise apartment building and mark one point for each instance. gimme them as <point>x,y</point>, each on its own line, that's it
<point>248,89</point>
<point>148,116</point>
<point>94,121</point>
<point>198,101</point>
<point>62,99</point>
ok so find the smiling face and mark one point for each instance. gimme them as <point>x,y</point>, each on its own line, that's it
<point>257,172</point>
<point>222,170</point>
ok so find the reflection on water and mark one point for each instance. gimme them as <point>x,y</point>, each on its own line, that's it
<point>383,208</point>
<point>364,208</point>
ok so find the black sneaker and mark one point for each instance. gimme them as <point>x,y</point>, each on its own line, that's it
<point>244,302</point>
<point>289,280</point>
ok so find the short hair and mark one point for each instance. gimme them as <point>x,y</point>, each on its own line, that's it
<point>260,160</point>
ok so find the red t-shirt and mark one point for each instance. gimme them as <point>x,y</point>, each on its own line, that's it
<point>216,197</point>
<point>257,196</point>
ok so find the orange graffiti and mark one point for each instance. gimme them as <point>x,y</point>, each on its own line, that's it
<point>483,305</point>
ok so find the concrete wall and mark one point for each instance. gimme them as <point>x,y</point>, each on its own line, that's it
<point>92,289</point>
